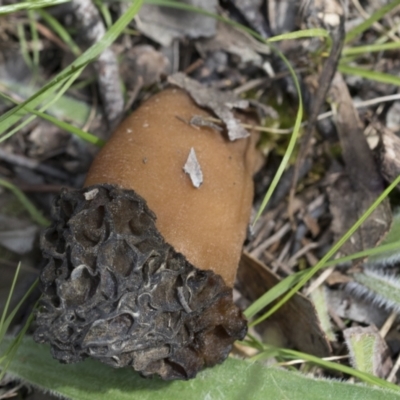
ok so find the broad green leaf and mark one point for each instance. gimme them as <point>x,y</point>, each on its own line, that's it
<point>234,379</point>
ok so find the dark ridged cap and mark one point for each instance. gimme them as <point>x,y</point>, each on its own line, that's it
<point>115,291</point>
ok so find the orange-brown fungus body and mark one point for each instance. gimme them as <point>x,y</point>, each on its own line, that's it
<point>147,153</point>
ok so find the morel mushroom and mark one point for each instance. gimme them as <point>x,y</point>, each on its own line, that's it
<point>140,263</point>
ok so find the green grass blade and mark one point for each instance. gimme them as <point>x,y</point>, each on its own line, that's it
<point>105,12</point>
<point>60,31</point>
<point>391,255</point>
<point>376,16</point>
<point>283,286</point>
<point>32,210</point>
<point>368,74</point>
<point>11,351</point>
<point>88,137</point>
<point>368,378</point>
<point>7,321</point>
<point>370,48</point>
<point>3,326</point>
<point>321,264</point>
<point>382,249</point>
<point>12,116</point>
<point>35,43</point>
<point>306,33</point>
<point>278,290</point>
<point>291,145</point>
<point>29,5</point>
<point>23,45</point>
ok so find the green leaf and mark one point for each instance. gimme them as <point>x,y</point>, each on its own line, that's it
<point>319,299</point>
<point>382,288</point>
<point>364,346</point>
<point>234,379</point>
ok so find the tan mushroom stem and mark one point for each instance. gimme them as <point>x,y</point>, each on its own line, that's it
<point>147,153</point>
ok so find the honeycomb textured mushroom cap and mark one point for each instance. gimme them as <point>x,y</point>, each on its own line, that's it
<point>114,290</point>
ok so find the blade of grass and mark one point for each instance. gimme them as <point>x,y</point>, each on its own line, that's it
<point>35,43</point>
<point>305,33</point>
<point>60,31</point>
<point>23,44</point>
<point>32,210</point>
<point>53,100</point>
<point>291,145</point>
<point>368,74</point>
<point>104,12</point>
<point>14,346</point>
<point>29,5</point>
<point>67,108</point>
<point>278,290</point>
<point>287,283</point>
<point>376,16</point>
<point>321,264</point>
<point>4,326</point>
<point>5,310</point>
<point>368,378</point>
<point>88,137</point>
<point>12,116</point>
<point>370,48</point>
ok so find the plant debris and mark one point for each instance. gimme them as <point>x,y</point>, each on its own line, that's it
<point>165,24</point>
<point>220,103</point>
<point>193,169</point>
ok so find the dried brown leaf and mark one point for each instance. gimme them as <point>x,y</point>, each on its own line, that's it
<point>220,103</point>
